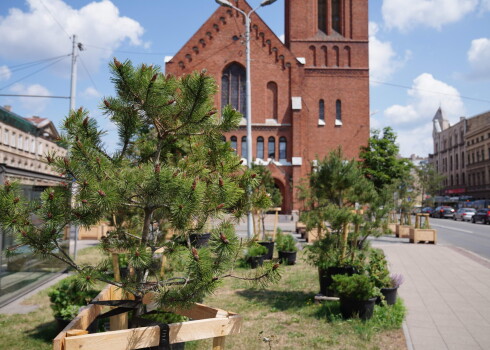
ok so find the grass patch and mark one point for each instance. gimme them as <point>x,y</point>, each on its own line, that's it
<point>283,317</point>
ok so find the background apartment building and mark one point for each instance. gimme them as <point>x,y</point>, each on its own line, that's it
<point>462,155</point>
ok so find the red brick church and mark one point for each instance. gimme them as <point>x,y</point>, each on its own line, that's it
<point>310,94</point>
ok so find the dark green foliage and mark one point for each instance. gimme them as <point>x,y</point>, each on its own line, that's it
<point>357,287</point>
<point>286,243</point>
<point>377,269</point>
<point>381,162</point>
<point>67,298</point>
<point>171,172</point>
<point>256,250</point>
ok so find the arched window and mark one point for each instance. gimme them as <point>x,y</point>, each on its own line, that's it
<point>347,56</point>
<point>338,112</point>
<point>260,147</point>
<point>325,55</point>
<point>272,100</point>
<point>244,146</point>
<point>271,148</point>
<point>282,148</point>
<point>233,88</point>
<point>337,56</point>
<point>322,15</point>
<point>321,111</point>
<point>337,16</point>
<point>313,55</point>
<point>233,140</point>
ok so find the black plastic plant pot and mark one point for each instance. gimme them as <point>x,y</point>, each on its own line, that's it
<point>256,261</point>
<point>199,240</point>
<point>325,277</point>
<point>389,295</point>
<point>270,249</point>
<point>289,258</point>
<point>350,308</point>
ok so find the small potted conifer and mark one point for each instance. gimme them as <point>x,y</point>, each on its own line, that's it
<point>255,255</point>
<point>286,247</point>
<point>357,295</point>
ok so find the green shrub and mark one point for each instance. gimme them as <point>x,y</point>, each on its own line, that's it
<point>377,269</point>
<point>286,243</point>
<point>256,250</point>
<point>67,298</point>
<point>357,287</point>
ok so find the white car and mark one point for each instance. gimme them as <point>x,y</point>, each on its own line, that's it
<point>464,214</point>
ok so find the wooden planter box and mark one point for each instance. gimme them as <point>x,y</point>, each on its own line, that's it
<point>300,228</point>
<point>206,323</point>
<point>312,235</point>
<point>403,231</point>
<point>423,235</point>
<point>392,228</point>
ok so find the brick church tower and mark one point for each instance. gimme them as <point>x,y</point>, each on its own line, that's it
<point>309,94</point>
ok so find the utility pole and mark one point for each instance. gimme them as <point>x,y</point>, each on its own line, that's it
<point>73,87</point>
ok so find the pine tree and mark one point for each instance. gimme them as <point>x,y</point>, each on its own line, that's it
<point>172,170</point>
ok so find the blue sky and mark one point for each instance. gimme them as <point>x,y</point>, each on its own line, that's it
<point>424,54</point>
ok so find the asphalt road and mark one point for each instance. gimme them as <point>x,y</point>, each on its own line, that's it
<point>473,237</point>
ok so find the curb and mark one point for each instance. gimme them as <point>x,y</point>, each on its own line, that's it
<point>406,333</point>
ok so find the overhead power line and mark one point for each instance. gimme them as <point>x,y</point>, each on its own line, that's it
<point>29,75</point>
<point>27,65</point>
<point>41,96</point>
<point>54,18</point>
<point>431,91</point>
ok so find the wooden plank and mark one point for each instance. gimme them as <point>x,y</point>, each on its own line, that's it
<point>119,321</point>
<point>149,336</point>
<point>76,332</point>
<point>83,319</point>
<point>115,267</point>
<point>219,343</point>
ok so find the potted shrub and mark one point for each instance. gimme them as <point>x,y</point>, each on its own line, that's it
<point>286,247</point>
<point>66,300</point>
<point>389,291</point>
<point>357,295</point>
<point>171,169</point>
<point>255,255</point>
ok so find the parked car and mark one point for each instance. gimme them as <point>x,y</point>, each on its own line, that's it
<point>482,215</point>
<point>443,212</point>
<point>464,214</point>
<point>427,210</point>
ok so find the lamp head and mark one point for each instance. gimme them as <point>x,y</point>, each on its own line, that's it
<point>267,2</point>
<point>225,3</point>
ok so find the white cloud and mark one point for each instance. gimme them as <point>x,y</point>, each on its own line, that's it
<point>5,73</point>
<point>35,33</point>
<point>413,122</point>
<point>485,5</point>
<point>405,15</point>
<point>383,60</point>
<point>91,92</point>
<point>34,106</point>
<point>479,58</point>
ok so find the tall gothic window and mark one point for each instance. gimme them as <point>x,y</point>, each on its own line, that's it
<point>271,147</point>
<point>233,140</point>
<point>233,88</point>
<point>336,16</point>
<point>282,148</point>
<point>321,110</point>
<point>338,113</point>
<point>260,147</point>
<point>244,146</point>
<point>272,100</point>
<point>322,15</point>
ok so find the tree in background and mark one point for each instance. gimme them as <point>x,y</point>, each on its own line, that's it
<point>381,162</point>
<point>430,182</point>
<point>172,169</point>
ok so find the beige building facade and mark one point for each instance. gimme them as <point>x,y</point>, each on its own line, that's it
<point>462,155</point>
<point>24,142</point>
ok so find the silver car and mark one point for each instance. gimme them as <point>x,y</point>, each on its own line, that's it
<point>464,214</point>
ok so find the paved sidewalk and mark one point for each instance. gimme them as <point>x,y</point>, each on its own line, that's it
<point>446,292</point>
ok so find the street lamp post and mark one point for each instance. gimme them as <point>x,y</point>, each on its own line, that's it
<point>226,3</point>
